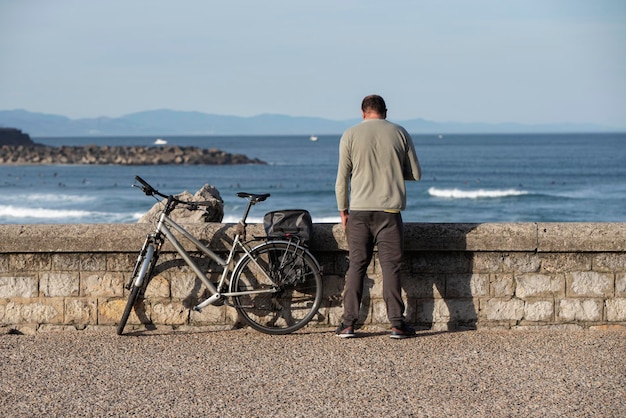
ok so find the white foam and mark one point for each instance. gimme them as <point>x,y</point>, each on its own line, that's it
<point>40,213</point>
<point>52,197</point>
<point>474,194</point>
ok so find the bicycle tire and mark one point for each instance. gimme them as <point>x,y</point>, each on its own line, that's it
<point>146,261</point>
<point>293,272</point>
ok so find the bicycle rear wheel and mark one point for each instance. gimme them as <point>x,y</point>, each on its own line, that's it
<point>294,275</point>
<point>141,274</point>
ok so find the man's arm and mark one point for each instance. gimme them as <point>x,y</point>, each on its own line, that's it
<point>344,171</point>
<point>412,168</point>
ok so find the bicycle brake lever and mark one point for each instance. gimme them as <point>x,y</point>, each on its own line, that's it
<point>149,191</point>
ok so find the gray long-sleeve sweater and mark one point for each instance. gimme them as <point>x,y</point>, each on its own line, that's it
<point>375,158</point>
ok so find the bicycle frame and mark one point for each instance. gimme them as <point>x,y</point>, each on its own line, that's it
<point>163,227</point>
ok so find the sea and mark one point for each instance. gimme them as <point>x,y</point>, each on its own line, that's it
<point>466,179</point>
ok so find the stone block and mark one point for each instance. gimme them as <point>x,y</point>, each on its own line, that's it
<point>158,287</point>
<point>539,285</point>
<point>589,284</point>
<point>186,286</point>
<point>110,311</point>
<point>426,310</point>
<point>539,310</point>
<point>211,315</point>
<point>168,313</point>
<point>31,311</point>
<point>379,312</point>
<point>497,309</point>
<point>29,262</point>
<point>4,263</point>
<point>18,287</point>
<point>440,263</point>
<point>521,262</point>
<point>577,236</point>
<point>487,262</point>
<point>53,284</point>
<point>609,261</point>
<point>121,261</point>
<point>616,309</point>
<point>501,285</point>
<point>580,310</point>
<point>101,284</point>
<point>471,236</point>
<point>620,285</point>
<point>564,262</point>
<point>462,310</point>
<point>425,286</point>
<point>65,262</point>
<point>93,262</point>
<point>333,314</point>
<point>467,285</point>
<point>81,311</point>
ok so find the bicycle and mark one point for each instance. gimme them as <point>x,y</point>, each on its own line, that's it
<point>275,286</point>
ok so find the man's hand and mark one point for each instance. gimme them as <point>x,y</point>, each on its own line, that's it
<point>344,217</point>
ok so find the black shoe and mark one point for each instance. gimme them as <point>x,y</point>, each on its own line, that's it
<point>404,331</point>
<point>344,331</point>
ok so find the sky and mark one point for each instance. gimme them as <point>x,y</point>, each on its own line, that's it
<point>480,61</point>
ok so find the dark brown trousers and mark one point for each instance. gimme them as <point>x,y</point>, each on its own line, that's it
<point>366,229</point>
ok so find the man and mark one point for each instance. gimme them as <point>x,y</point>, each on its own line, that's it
<point>375,158</point>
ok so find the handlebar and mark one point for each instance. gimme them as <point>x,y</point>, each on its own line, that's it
<point>151,191</point>
<point>146,188</point>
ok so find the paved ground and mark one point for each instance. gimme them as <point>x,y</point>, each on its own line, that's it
<point>314,374</point>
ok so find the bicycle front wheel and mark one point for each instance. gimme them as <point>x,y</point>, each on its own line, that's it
<point>141,275</point>
<point>296,283</point>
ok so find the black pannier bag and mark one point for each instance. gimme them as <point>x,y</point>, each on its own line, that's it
<point>289,222</point>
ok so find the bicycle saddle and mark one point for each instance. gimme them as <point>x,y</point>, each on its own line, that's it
<point>254,197</point>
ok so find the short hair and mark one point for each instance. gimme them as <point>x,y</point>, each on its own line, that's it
<point>374,102</point>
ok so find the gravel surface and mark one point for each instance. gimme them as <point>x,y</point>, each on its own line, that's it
<point>313,373</point>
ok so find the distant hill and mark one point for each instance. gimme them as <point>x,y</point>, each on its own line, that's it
<point>171,122</point>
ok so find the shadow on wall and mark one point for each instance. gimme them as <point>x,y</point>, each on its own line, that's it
<point>439,279</point>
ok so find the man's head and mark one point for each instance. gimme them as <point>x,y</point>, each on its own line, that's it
<point>373,107</point>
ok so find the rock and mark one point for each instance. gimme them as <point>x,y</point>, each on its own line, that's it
<point>120,155</point>
<point>212,204</point>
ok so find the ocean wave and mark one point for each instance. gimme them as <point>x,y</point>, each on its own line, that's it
<point>41,213</point>
<point>474,194</point>
<point>12,214</point>
<point>52,197</point>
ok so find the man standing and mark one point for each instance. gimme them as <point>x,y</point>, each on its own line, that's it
<point>375,158</point>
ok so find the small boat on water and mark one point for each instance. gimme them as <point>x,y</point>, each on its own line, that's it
<point>160,141</point>
<point>313,138</point>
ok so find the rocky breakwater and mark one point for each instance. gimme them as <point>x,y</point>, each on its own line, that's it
<point>119,155</point>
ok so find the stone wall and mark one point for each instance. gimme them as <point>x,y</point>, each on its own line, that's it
<point>457,276</point>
